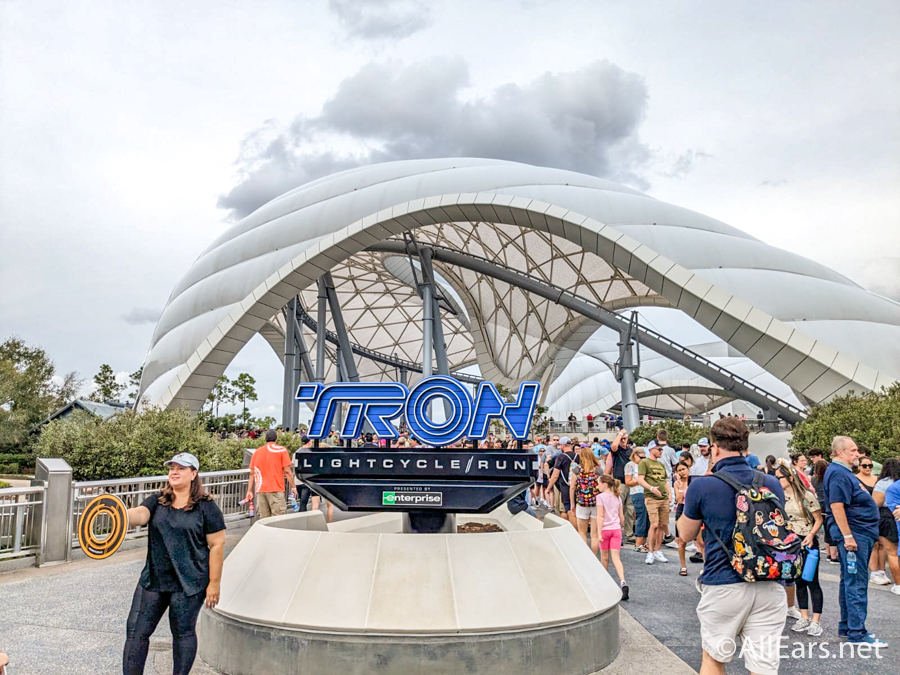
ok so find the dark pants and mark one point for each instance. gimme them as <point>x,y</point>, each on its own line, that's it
<point>813,590</point>
<point>854,588</point>
<point>641,520</point>
<point>147,609</point>
<point>303,497</point>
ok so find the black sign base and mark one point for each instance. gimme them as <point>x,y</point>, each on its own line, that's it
<point>423,480</point>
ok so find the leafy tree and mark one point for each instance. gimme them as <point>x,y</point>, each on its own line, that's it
<point>871,419</point>
<point>244,390</point>
<point>679,432</point>
<point>263,422</point>
<point>28,394</point>
<point>134,383</point>
<point>132,444</point>
<point>107,387</point>
<point>221,393</point>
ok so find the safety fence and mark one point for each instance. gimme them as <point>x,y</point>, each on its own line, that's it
<point>227,488</point>
<point>20,521</point>
<point>26,515</point>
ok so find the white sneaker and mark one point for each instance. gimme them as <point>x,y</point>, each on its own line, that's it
<point>793,613</point>
<point>691,548</point>
<point>895,589</point>
<point>801,625</point>
<point>649,559</point>
<point>815,630</point>
<point>879,578</point>
<point>673,544</point>
<point>658,555</point>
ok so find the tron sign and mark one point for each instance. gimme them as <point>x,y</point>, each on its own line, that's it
<point>379,402</point>
<point>425,479</point>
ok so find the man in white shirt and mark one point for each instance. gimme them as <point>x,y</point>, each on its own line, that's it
<point>701,464</point>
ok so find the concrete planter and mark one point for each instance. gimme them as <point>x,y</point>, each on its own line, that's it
<point>362,598</point>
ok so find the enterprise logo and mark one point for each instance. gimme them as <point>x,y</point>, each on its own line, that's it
<point>412,498</point>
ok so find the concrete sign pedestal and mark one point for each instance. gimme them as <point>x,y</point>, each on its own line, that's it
<point>360,596</point>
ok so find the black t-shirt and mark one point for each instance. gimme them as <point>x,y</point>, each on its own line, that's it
<point>563,462</point>
<point>177,553</point>
<point>621,456</point>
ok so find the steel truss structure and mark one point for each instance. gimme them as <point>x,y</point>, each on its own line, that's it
<point>816,333</point>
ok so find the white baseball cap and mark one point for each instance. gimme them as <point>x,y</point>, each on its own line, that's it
<point>703,441</point>
<point>185,459</point>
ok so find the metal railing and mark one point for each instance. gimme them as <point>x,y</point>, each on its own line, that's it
<point>227,488</point>
<point>20,530</point>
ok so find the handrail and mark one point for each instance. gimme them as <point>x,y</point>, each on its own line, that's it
<point>608,317</point>
<point>149,479</point>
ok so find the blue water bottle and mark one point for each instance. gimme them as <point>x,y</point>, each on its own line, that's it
<point>851,562</point>
<point>810,565</point>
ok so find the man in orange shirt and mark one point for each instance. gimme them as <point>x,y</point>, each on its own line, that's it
<point>269,468</point>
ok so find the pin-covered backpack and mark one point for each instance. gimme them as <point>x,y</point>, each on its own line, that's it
<point>587,487</point>
<point>764,547</point>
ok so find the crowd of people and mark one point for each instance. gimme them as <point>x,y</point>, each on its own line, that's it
<point>615,494</point>
<point>848,508</point>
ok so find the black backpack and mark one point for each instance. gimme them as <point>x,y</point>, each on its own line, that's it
<point>764,547</point>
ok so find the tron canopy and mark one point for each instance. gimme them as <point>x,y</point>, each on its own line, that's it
<point>812,330</point>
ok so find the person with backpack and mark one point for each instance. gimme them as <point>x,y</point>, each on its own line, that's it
<point>609,515</point>
<point>583,494</point>
<point>748,553</point>
<point>805,517</point>
<point>560,466</point>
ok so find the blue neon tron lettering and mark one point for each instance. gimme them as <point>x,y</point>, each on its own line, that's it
<point>379,402</point>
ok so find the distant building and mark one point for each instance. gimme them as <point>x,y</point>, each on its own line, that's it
<point>103,410</point>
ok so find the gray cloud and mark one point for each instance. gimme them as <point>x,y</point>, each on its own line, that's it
<point>685,163</point>
<point>381,19</point>
<point>586,120</point>
<point>141,315</point>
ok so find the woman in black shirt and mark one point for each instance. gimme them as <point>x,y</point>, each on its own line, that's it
<point>185,551</point>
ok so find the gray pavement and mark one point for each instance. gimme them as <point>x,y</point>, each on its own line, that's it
<point>665,604</point>
<point>70,619</point>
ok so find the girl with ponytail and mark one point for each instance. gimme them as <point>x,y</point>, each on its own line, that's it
<point>610,517</point>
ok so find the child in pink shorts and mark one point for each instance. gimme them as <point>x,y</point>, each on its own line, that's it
<point>610,517</point>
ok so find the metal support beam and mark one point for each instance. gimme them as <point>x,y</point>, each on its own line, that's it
<point>427,330</point>
<point>627,370</point>
<point>320,332</point>
<point>770,421</point>
<point>288,420</point>
<point>437,327</point>
<point>340,328</point>
<point>302,350</point>
<point>739,387</point>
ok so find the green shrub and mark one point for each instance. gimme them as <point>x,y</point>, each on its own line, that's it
<point>130,444</point>
<point>872,419</point>
<point>679,432</point>
<point>4,484</point>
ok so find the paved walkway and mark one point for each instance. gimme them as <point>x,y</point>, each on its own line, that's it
<point>70,619</point>
<point>665,604</point>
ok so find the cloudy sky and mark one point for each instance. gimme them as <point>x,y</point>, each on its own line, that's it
<point>132,134</point>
